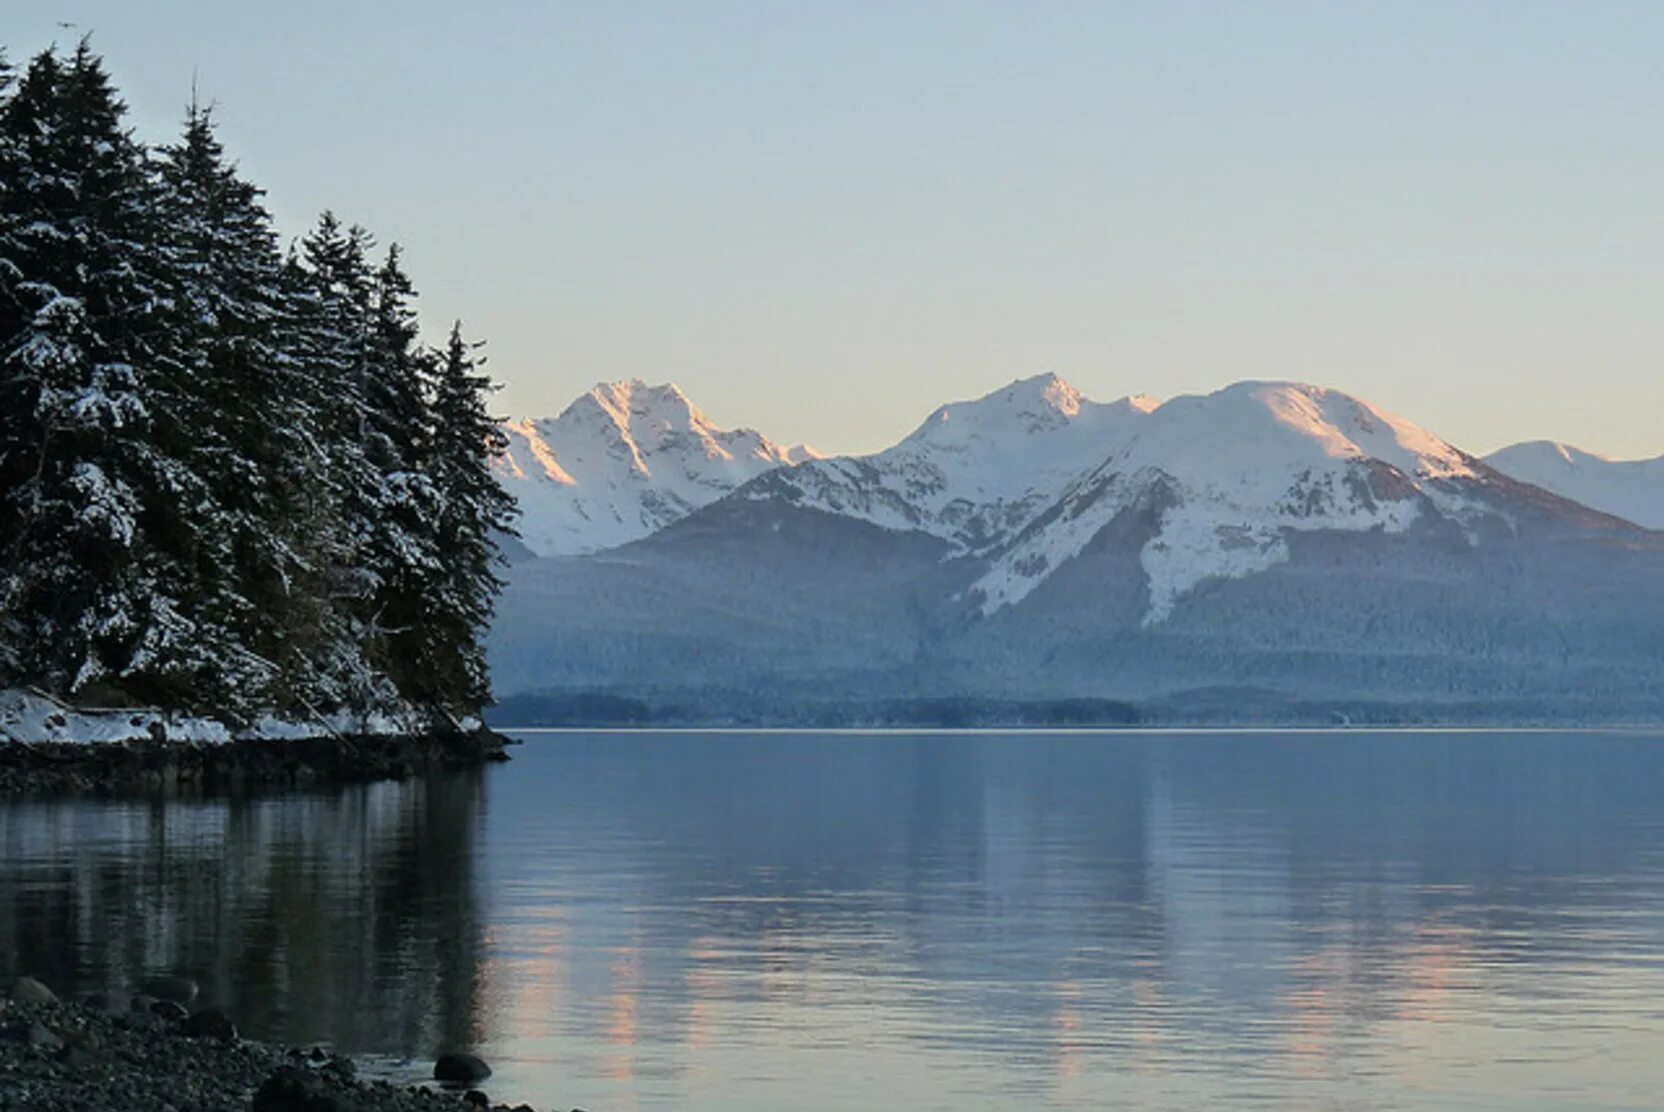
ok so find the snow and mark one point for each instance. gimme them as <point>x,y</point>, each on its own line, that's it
<point>30,716</point>
<point>109,504</point>
<point>975,472</point>
<point>1241,467</point>
<point>1027,475</point>
<point>623,461</point>
<point>1630,489</point>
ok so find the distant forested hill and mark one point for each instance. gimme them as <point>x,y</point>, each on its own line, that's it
<point>233,481</point>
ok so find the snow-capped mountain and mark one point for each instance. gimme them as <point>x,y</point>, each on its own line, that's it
<point>976,472</point>
<point>1288,545</point>
<point>622,461</point>
<point>1234,472</point>
<point>1630,489</point>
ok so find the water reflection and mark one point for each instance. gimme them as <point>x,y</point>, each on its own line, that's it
<point>1360,921</point>
<point>351,916</point>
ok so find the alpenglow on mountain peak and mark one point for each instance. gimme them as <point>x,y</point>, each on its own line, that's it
<point>622,461</point>
<point>1027,474</point>
<point>1028,405</point>
<point>1267,543</point>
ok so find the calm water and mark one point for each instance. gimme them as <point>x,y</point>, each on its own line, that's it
<point>764,922</point>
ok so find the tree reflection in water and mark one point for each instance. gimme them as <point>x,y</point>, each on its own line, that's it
<point>351,913</point>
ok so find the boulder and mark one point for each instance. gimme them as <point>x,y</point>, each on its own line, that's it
<point>460,1067</point>
<point>210,1023</point>
<point>27,990</point>
<point>180,990</point>
<point>41,1036</point>
<point>293,1089</point>
<point>170,1011</point>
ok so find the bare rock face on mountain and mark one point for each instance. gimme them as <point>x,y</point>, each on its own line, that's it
<point>1630,489</point>
<point>1286,544</point>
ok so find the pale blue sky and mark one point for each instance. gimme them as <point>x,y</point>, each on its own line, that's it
<point>823,219</point>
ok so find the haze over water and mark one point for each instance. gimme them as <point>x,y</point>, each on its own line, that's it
<point>715,921</point>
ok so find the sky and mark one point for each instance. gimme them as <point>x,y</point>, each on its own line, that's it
<point>824,219</point>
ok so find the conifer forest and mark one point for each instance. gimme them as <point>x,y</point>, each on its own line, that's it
<point>235,480</point>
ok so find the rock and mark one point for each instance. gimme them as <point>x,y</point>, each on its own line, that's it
<point>290,1089</point>
<point>473,1098</point>
<point>42,1036</point>
<point>211,1023</point>
<point>170,1011</point>
<point>341,1066</point>
<point>181,990</point>
<point>460,1067</point>
<point>27,990</point>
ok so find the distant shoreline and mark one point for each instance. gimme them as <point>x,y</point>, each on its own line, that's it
<point>1245,710</point>
<point>1090,731</point>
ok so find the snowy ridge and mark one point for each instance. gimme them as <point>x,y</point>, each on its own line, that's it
<point>623,461</point>
<point>1630,489</point>
<point>1226,474</point>
<point>975,472</point>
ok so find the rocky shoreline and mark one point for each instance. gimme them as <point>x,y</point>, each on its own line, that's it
<point>152,1051</point>
<point>119,767</point>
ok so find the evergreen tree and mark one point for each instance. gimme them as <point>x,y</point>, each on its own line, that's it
<point>89,595</point>
<point>331,291</point>
<point>230,483</point>
<point>475,511</point>
<point>242,418</point>
<point>402,554</point>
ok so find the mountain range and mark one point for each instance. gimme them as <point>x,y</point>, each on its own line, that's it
<point>1267,551</point>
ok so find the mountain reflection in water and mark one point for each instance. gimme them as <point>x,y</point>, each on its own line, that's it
<point>829,921</point>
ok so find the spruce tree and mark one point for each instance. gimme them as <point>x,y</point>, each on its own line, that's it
<point>90,591</point>
<point>474,511</point>
<point>398,438</point>
<point>242,418</point>
<point>330,290</point>
<point>231,483</point>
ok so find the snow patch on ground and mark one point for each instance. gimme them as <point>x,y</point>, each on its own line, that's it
<point>30,716</point>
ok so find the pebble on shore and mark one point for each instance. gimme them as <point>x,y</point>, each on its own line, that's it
<point>60,1056</point>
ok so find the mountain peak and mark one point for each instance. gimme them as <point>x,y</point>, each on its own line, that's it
<point>1630,489</point>
<point>1332,423</point>
<point>622,461</point>
<point>1555,451</point>
<point>1048,390</point>
<point>1027,405</point>
<point>630,401</point>
<point>1238,469</point>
